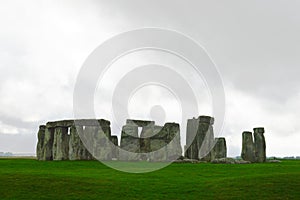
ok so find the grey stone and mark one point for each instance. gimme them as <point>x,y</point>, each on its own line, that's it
<point>248,147</point>
<point>145,144</point>
<point>242,162</point>
<point>102,149</point>
<point>130,143</point>
<point>191,149</point>
<point>205,138</point>
<point>40,145</point>
<point>223,161</point>
<point>260,144</point>
<point>62,123</point>
<point>48,144</point>
<point>139,123</point>
<point>77,150</point>
<point>273,161</point>
<point>115,151</point>
<point>60,148</point>
<point>229,161</point>
<point>200,138</point>
<point>193,161</point>
<point>220,149</point>
<point>174,150</point>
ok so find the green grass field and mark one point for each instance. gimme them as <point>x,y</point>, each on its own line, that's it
<point>31,179</point>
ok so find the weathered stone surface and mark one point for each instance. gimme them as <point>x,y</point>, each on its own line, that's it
<point>205,138</point>
<point>220,149</point>
<point>60,148</point>
<point>115,151</point>
<point>140,123</point>
<point>48,144</point>
<point>192,150</point>
<point>174,150</point>
<point>145,144</point>
<point>206,119</point>
<point>130,143</point>
<point>260,144</point>
<point>223,161</point>
<point>248,147</point>
<point>62,123</point>
<point>158,144</point>
<point>200,139</point>
<point>242,162</point>
<point>60,144</point>
<point>88,140</point>
<point>103,148</point>
<point>273,161</point>
<point>229,161</point>
<point>92,122</point>
<point>40,145</point>
<point>194,161</point>
<point>77,150</point>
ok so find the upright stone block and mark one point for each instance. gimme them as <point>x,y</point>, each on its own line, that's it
<point>48,144</point>
<point>77,150</point>
<point>40,145</point>
<point>220,149</point>
<point>174,150</point>
<point>115,151</point>
<point>191,150</point>
<point>145,142</point>
<point>260,144</point>
<point>248,152</point>
<point>103,148</point>
<point>130,143</point>
<point>61,143</point>
<point>205,138</point>
<point>158,143</point>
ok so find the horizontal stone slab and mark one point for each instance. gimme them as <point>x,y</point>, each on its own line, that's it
<point>140,123</point>
<point>78,122</point>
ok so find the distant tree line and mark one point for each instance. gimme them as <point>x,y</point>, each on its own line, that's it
<point>6,154</point>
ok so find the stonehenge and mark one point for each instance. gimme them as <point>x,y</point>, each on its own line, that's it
<point>254,150</point>
<point>201,144</point>
<point>155,143</point>
<point>89,139</point>
<point>60,140</point>
<point>142,140</point>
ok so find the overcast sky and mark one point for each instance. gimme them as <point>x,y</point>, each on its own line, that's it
<point>255,45</point>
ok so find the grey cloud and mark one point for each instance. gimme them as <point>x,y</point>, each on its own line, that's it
<point>255,45</point>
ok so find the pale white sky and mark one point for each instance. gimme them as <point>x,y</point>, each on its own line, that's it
<point>255,45</point>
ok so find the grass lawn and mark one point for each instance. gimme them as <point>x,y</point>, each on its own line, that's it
<point>31,179</point>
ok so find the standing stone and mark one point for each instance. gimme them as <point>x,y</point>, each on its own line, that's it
<point>40,145</point>
<point>145,143</point>
<point>158,143</point>
<point>248,152</point>
<point>48,144</point>
<point>191,149</point>
<point>220,149</point>
<point>130,143</point>
<point>114,141</point>
<point>260,145</point>
<point>205,138</point>
<point>61,143</point>
<point>102,149</point>
<point>77,150</point>
<point>88,141</point>
<point>174,150</point>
